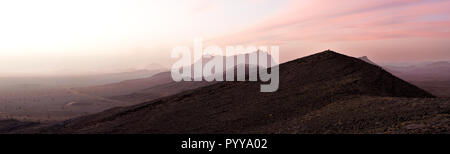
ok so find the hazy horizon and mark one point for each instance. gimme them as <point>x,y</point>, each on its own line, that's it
<point>51,36</point>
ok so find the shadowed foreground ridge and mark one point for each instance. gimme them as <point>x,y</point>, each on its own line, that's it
<point>323,93</point>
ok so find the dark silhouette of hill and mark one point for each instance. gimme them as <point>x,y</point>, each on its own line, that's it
<point>323,93</point>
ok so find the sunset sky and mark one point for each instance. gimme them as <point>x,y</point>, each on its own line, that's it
<point>110,35</point>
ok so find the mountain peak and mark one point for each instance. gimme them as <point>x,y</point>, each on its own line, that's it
<point>366,59</point>
<point>329,52</point>
<point>363,77</point>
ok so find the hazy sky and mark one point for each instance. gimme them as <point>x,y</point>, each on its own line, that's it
<point>102,35</point>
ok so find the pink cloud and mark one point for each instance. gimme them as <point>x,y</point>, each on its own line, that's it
<point>328,20</point>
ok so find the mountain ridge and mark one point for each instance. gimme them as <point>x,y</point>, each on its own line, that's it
<point>307,85</point>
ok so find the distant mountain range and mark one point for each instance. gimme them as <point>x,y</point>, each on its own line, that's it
<point>433,77</point>
<point>159,85</point>
<point>323,93</point>
<point>127,86</point>
<point>74,80</point>
<point>436,71</point>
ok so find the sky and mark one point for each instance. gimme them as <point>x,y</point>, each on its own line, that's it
<point>66,36</point>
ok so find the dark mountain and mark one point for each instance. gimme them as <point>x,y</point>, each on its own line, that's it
<point>323,93</point>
